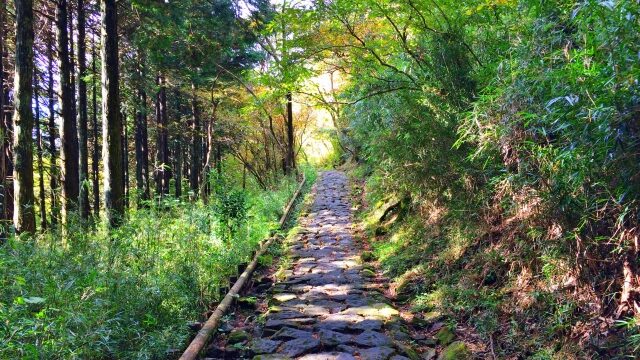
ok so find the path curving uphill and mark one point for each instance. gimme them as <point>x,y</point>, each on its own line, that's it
<point>329,306</point>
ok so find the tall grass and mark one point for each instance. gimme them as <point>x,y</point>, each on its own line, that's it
<point>129,293</point>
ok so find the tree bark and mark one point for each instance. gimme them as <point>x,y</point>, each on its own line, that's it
<point>125,159</point>
<point>186,150</point>
<point>6,141</point>
<point>53,167</point>
<point>95,161</point>
<point>24,218</point>
<point>208,152</point>
<point>142,142</point>
<point>274,161</point>
<point>267,154</point>
<point>290,158</point>
<point>72,61</point>
<point>3,130</point>
<point>82,115</point>
<point>111,120</point>
<point>163,175</point>
<point>178,150</point>
<point>69,131</point>
<point>43,209</point>
<point>194,173</point>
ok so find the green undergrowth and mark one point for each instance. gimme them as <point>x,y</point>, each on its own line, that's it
<point>444,260</point>
<point>130,293</point>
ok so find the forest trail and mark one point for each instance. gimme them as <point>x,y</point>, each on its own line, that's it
<point>329,306</point>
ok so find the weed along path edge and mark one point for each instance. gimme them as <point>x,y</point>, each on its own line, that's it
<point>209,327</point>
<point>329,305</point>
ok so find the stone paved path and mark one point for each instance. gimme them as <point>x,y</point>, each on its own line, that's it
<point>329,306</point>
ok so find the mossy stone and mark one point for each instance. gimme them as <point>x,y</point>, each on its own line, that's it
<point>279,298</point>
<point>428,353</point>
<point>445,336</point>
<point>429,341</point>
<point>432,316</point>
<point>455,351</point>
<point>248,302</point>
<point>405,289</point>
<point>368,273</point>
<point>408,351</point>
<point>237,336</point>
<point>368,267</point>
<point>411,354</point>
<point>419,323</point>
<point>422,321</point>
<point>376,297</point>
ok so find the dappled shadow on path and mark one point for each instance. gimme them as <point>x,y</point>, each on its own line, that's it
<point>328,306</point>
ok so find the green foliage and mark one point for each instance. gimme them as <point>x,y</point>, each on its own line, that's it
<point>230,206</point>
<point>193,39</point>
<point>130,293</point>
<point>631,326</point>
<point>512,128</point>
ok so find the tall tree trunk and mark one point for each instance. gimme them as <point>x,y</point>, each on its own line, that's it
<point>125,159</point>
<point>163,174</point>
<point>275,161</point>
<point>72,77</point>
<point>141,141</point>
<point>82,115</point>
<point>178,149</point>
<point>111,120</point>
<point>3,130</point>
<point>186,149</point>
<point>95,160</point>
<point>69,131</point>
<point>290,158</point>
<point>142,153</point>
<point>6,141</point>
<point>53,167</point>
<point>244,177</point>
<point>43,208</point>
<point>209,151</point>
<point>72,59</point>
<point>24,218</point>
<point>195,143</point>
<point>267,155</point>
<point>204,157</point>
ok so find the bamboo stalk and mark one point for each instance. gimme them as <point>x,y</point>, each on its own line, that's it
<point>203,336</point>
